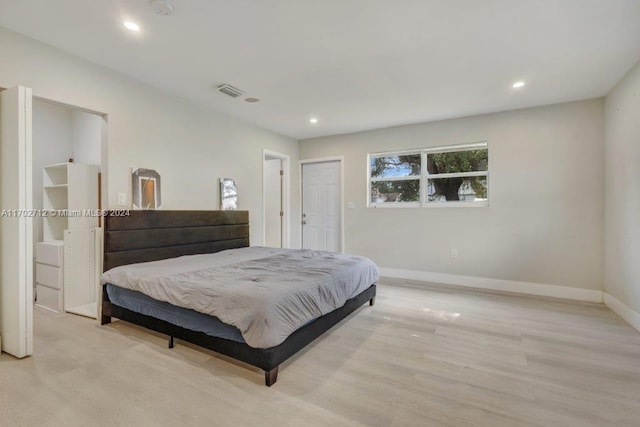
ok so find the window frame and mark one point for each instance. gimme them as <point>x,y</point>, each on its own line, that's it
<point>424,176</point>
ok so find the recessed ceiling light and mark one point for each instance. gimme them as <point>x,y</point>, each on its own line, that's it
<point>251,100</point>
<point>518,85</point>
<point>132,26</point>
<point>313,120</point>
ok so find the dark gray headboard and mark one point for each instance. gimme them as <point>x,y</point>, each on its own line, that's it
<point>152,235</point>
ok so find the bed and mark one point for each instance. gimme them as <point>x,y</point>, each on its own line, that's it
<point>155,241</point>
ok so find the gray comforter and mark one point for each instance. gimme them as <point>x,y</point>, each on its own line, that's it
<point>266,293</point>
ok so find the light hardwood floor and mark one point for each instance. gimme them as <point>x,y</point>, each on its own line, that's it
<point>423,355</point>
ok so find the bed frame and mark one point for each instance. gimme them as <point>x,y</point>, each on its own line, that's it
<point>153,235</point>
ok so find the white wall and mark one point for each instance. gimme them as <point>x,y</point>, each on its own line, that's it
<point>622,190</point>
<point>544,222</point>
<point>190,146</point>
<point>86,134</point>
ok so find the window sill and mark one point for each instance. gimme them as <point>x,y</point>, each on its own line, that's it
<point>484,204</point>
<point>394,205</point>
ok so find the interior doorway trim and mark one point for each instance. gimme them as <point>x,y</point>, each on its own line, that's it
<point>286,200</point>
<point>104,151</point>
<point>339,159</point>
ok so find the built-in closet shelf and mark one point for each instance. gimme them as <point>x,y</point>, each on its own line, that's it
<point>66,272</point>
<point>71,187</point>
<point>82,268</point>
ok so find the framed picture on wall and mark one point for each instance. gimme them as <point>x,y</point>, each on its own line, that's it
<point>228,194</point>
<point>146,189</point>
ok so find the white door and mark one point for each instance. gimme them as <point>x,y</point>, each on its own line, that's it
<point>273,206</point>
<point>16,239</point>
<point>322,206</point>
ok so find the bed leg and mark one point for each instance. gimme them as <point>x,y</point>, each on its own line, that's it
<point>170,342</point>
<point>105,319</point>
<point>270,377</point>
<point>372,301</point>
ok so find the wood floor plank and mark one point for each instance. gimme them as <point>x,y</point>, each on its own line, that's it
<point>424,355</point>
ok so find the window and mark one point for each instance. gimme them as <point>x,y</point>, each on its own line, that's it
<point>395,178</point>
<point>452,176</point>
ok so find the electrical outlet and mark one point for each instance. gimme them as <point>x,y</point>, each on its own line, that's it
<point>454,253</point>
<point>122,199</point>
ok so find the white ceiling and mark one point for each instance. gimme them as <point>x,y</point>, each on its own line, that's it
<point>353,64</point>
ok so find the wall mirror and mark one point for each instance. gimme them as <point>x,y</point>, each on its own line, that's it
<point>146,189</point>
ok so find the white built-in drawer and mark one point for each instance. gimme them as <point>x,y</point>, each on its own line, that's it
<point>49,276</point>
<point>49,298</point>
<point>50,253</point>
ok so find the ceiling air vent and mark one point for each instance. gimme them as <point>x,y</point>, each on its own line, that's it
<point>162,7</point>
<point>230,90</point>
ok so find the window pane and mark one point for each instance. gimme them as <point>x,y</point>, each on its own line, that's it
<point>395,166</point>
<point>458,161</point>
<point>471,189</point>
<point>395,191</point>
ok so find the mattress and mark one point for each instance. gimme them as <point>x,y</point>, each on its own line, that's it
<point>184,317</point>
<point>265,293</point>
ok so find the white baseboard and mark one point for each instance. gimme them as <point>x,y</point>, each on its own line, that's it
<point>528,288</point>
<point>628,314</point>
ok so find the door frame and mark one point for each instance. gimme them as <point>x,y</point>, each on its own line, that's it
<point>286,200</point>
<point>103,180</point>
<point>339,159</point>
<point>18,317</point>
<point>103,197</point>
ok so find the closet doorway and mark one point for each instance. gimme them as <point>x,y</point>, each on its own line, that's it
<point>275,199</point>
<point>69,152</point>
<point>46,147</point>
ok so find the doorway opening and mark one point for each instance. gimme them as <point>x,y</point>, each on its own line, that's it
<point>68,176</point>
<point>53,157</point>
<point>275,199</point>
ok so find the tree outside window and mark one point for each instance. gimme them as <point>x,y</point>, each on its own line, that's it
<point>430,176</point>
